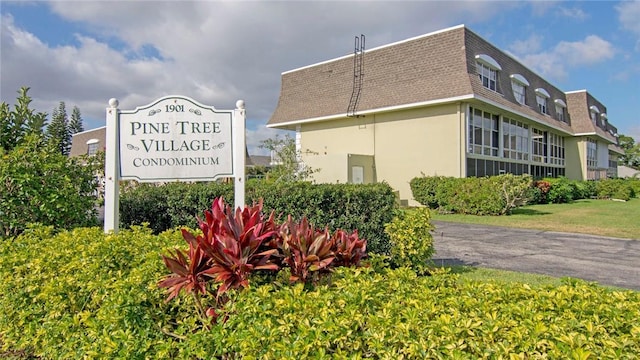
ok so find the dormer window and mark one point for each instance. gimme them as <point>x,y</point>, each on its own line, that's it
<point>560,109</point>
<point>594,113</point>
<point>603,116</point>
<point>541,98</point>
<point>92,146</point>
<point>519,85</point>
<point>487,69</point>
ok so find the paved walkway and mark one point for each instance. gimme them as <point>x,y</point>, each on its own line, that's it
<point>609,261</point>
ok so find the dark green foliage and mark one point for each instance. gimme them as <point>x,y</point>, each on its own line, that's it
<point>562,190</point>
<point>631,156</point>
<point>496,195</point>
<point>425,189</point>
<point>584,189</point>
<point>58,133</point>
<point>75,123</point>
<point>635,185</point>
<point>475,196</point>
<point>366,208</point>
<point>39,185</point>
<point>22,121</point>
<point>171,205</point>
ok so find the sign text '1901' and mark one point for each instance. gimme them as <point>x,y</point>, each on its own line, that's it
<point>174,108</point>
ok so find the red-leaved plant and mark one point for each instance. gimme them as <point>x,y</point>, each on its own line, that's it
<point>188,272</point>
<point>229,249</point>
<point>234,242</point>
<point>307,251</point>
<point>348,248</point>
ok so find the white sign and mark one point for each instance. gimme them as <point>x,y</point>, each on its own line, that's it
<point>175,138</point>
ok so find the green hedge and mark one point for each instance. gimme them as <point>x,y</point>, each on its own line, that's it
<point>366,208</point>
<point>496,195</point>
<point>83,294</point>
<point>562,190</point>
<point>622,189</point>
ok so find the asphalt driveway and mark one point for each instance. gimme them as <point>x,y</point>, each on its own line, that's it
<point>609,261</point>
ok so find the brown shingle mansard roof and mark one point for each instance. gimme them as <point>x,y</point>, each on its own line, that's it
<point>421,69</point>
<point>579,103</point>
<point>432,68</point>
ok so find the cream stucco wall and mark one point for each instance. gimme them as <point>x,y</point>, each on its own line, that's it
<point>575,157</point>
<point>405,144</point>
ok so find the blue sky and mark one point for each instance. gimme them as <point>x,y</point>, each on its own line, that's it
<point>85,52</point>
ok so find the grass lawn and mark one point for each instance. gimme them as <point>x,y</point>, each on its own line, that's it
<point>470,273</point>
<point>597,217</point>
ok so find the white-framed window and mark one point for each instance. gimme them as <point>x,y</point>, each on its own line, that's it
<point>539,145</point>
<point>556,149</point>
<point>592,154</point>
<point>594,111</point>
<point>613,166</point>
<point>559,112</point>
<point>519,85</point>
<point>487,69</point>
<point>483,133</point>
<point>515,139</point>
<point>487,75</point>
<point>93,146</point>
<point>541,99</point>
<point>542,103</point>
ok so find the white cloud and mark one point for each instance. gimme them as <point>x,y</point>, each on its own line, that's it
<point>540,7</point>
<point>215,52</point>
<point>553,63</point>
<point>573,13</point>
<point>527,46</point>
<point>628,15</point>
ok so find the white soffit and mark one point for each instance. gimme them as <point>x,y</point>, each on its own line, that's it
<point>561,103</point>
<point>543,92</point>
<point>519,78</point>
<point>489,61</point>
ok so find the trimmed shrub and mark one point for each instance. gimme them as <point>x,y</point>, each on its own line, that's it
<point>584,189</point>
<point>366,208</point>
<point>562,190</point>
<point>476,196</point>
<point>635,185</point>
<point>84,294</point>
<point>425,190</point>
<point>615,189</point>
<point>496,195</point>
<point>411,240</point>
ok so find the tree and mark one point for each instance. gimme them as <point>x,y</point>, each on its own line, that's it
<point>75,124</point>
<point>631,155</point>
<point>17,124</point>
<point>40,185</point>
<point>58,133</point>
<point>288,165</point>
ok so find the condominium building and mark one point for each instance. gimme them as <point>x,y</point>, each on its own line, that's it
<point>446,103</point>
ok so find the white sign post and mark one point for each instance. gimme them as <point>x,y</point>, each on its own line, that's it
<point>174,138</point>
